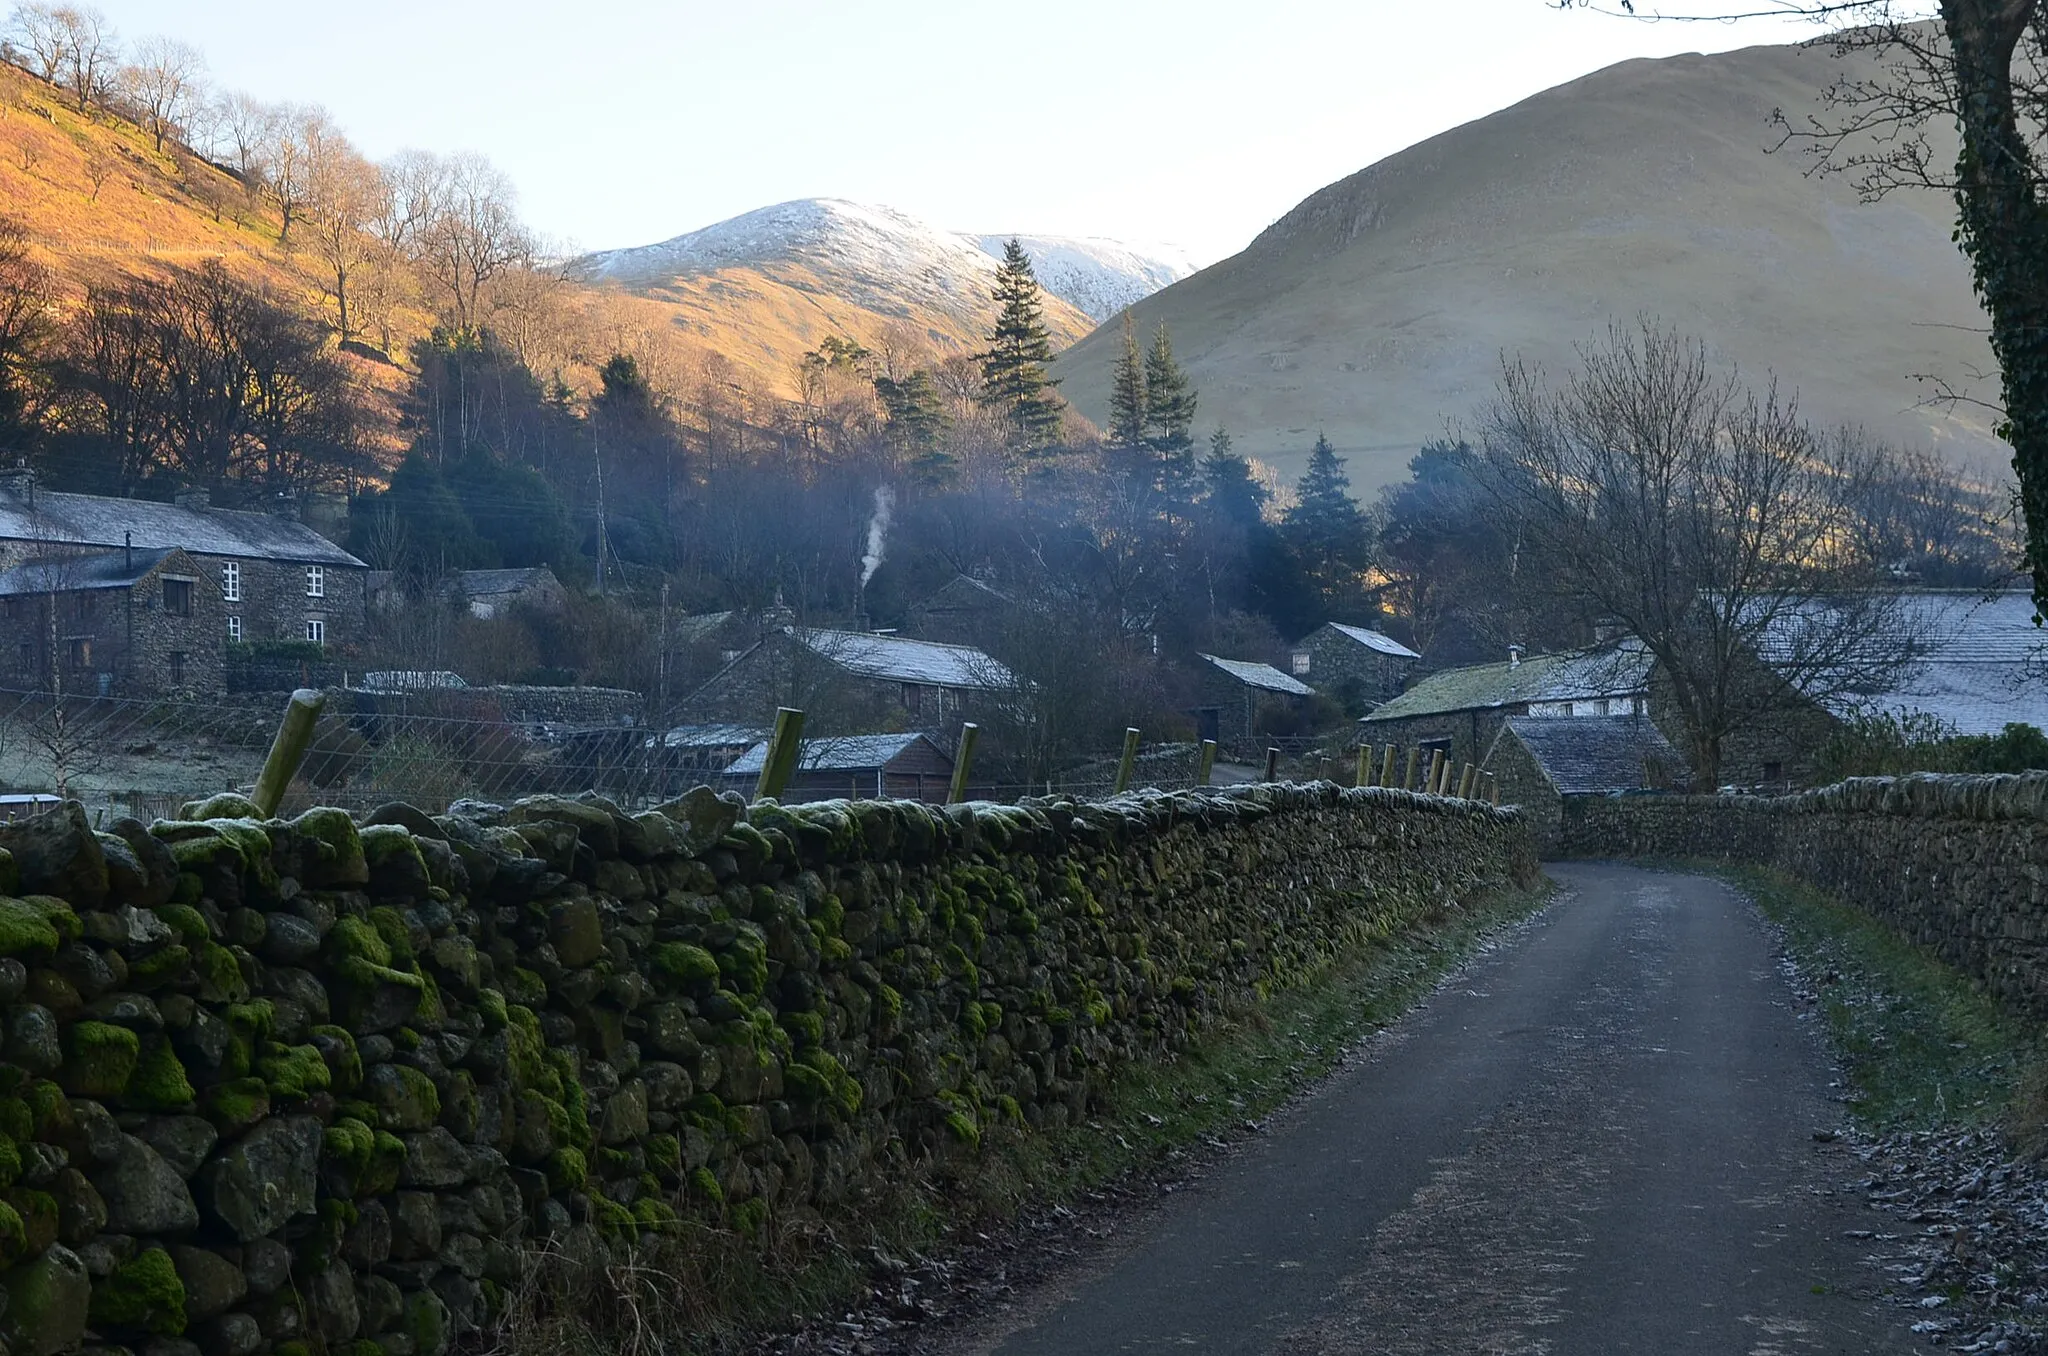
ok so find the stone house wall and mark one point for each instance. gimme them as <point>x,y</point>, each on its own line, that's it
<point>274,604</point>
<point>308,1085</point>
<point>142,648</point>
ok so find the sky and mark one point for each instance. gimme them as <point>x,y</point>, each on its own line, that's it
<point>1196,122</point>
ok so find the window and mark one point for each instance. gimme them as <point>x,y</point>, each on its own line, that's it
<point>913,698</point>
<point>1302,659</point>
<point>177,668</point>
<point>316,583</point>
<point>178,597</point>
<point>316,630</point>
<point>79,653</point>
<point>1774,772</point>
<point>231,582</point>
<point>234,628</point>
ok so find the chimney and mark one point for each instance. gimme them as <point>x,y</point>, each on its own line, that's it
<point>1514,656</point>
<point>197,498</point>
<point>19,482</point>
<point>284,504</point>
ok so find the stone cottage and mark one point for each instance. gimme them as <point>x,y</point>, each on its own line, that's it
<point>494,593</point>
<point>277,578</point>
<point>1461,711</point>
<point>1231,694</point>
<point>1541,761</point>
<point>1357,666</point>
<point>129,623</point>
<point>966,611</point>
<point>849,680</point>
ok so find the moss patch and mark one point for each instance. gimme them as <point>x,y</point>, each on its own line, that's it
<point>99,1059</point>
<point>143,1295</point>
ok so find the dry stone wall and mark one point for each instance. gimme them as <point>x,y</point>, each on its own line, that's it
<point>314,1085</point>
<point>1955,863</point>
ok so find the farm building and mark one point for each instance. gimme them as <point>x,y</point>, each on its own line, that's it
<point>1356,665</point>
<point>1232,695</point>
<point>857,767</point>
<point>848,679</point>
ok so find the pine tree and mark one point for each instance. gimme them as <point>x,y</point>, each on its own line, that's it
<point>1013,371</point>
<point>1233,493</point>
<point>1326,528</point>
<point>1169,398</point>
<point>1127,405</point>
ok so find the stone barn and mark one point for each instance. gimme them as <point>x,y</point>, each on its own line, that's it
<point>1231,694</point>
<point>1543,761</point>
<point>1359,667</point>
<point>856,767</point>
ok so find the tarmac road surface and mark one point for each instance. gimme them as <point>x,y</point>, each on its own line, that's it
<point>1601,1137</point>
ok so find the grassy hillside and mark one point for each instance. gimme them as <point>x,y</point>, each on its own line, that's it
<point>1380,307</point>
<point>100,201</point>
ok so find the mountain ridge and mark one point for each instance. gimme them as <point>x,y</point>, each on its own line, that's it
<point>1378,309</point>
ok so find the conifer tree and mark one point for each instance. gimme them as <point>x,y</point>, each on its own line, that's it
<point>1233,493</point>
<point>1328,532</point>
<point>1169,399</point>
<point>1013,371</point>
<point>1127,406</point>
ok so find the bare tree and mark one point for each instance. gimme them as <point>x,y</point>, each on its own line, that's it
<point>294,142</point>
<point>91,52</point>
<point>43,37</point>
<point>344,192</point>
<point>1981,68</point>
<point>471,235</point>
<point>163,81</point>
<point>99,167</point>
<point>1706,519</point>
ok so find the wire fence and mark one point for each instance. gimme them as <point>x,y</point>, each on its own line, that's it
<point>147,758</point>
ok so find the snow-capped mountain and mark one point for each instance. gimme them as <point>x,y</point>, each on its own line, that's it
<point>874,257</point>
<point>1098,277</point>
<point>889,261</point>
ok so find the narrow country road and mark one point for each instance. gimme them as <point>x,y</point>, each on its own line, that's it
<point>1599,1138</point>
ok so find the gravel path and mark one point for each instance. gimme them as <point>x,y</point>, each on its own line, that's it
<point>1611,1135</point>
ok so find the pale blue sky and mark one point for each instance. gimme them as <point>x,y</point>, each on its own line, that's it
<point>1194,121</point>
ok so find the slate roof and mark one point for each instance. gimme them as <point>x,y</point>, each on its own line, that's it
<point>1980,663</point>
<point>81,574</point>
<point>690,630</point>
<point>1572,675</point>
<point>490,583</point>
<point>844,753</point>
<point>1374,640</point>
<point>410,680</point>
<point>1262,676</point>
<point>901,659</point>
<point>710,736</point>
<point>1584,755</point>
<point>99,520</point>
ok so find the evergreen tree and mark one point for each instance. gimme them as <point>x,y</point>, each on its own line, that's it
<point>1232,492</point>
<point>1013,371</point>
<point>1328,532</point>
<point>1127,405</point>
<point>916,414</point>
<point>1169,399</point>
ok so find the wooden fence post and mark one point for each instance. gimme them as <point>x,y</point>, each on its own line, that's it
<point>1205,763</point>
<point>1493,783</point>
<point>1272,765</point>
<point>288,750</point>
<point>1408,773</point>
<point>1129,763</point>
<point>962,761</point>
<point>1387,768</point>
<point>1436,772</point>
<point>784,746</point>
<point>1364,775</point>
<point>1465,782</point>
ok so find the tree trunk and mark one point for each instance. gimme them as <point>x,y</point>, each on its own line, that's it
<point>2005,232</point>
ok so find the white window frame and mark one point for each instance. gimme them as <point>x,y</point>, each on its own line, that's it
<point>234,629</point>
<point>316,581</point>
<point>231,581</point>
<point>316,630</point>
